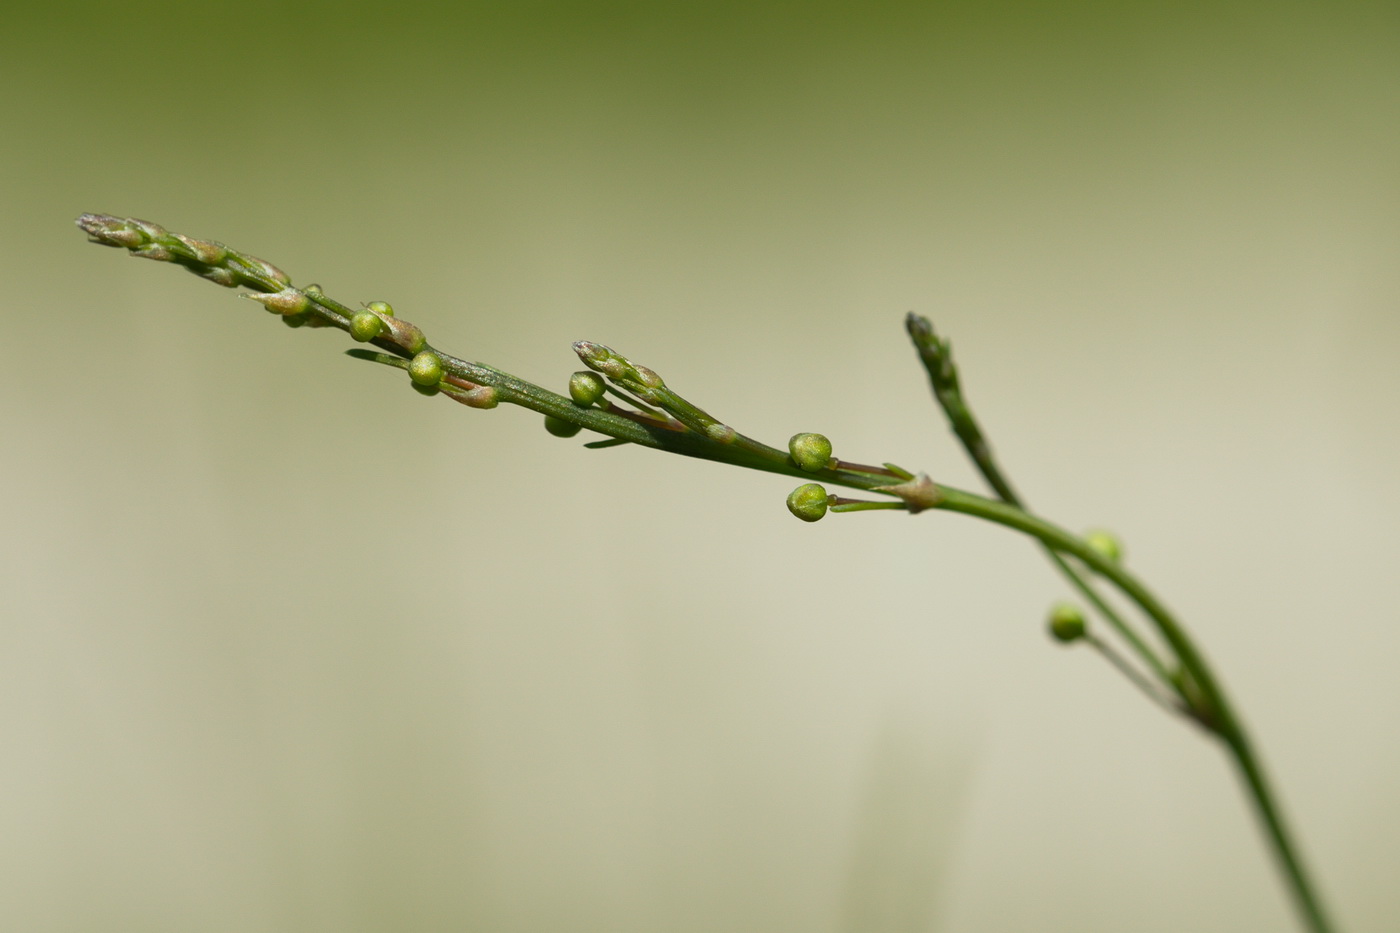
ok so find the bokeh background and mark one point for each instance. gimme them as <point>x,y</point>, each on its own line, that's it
<point>285,646</point>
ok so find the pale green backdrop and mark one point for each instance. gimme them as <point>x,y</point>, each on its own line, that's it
<point>286,647</point>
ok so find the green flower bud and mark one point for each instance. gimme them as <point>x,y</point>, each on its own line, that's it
<point>615,366</point>
<point>403,333</point>
<point>721,433</point>
<point>314,291</point>
<point>152,231</point>
<point>1106,543</point>
<point>268,270</point>
<point>601,358</point>
<point>478,397</point>
<point>381,307</point>
<point>112,231</point>
<point>154,251</point>
<point>425,369</point>
<point>586,387</point>
<point>426,390</point>
<point>648,377</point>
<point>559,427</point>
<point>365,326</point>
<point>811,452</point>
<point>808,502</point>
<point>205,251</point>
<point>220,274</point>
<point>287,301</point>
<point>1066,623</point>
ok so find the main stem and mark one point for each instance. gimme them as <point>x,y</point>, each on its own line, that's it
<point>937,356</point>
<point>1225,723</point>
<point>229,268</point>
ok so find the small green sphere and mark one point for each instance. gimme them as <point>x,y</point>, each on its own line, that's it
<point>426,368</point>
<point>365,326</point>
<point>425,390</point>
<point>559,427</point>
<point>811,452</point>
<point>383,307</point>
<point>808,502</point>
<point>1106,543</point>
<point>586,387</point>
<point>1066,623</point>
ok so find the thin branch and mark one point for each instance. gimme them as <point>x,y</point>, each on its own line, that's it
<point>937,356</point>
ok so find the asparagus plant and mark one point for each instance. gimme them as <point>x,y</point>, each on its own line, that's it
<point>626,403</point>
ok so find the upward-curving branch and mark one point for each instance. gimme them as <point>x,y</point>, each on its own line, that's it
<point>645,411</point>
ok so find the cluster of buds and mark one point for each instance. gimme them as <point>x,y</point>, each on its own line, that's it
<point>377,320</point>
<point>269,285</point>
<point>810,501</point>
<point>273,289</point>
<point>428,374</point>
<point>643,385</point>
<point>809,452</point>
<point>652,413</point>
<point>204,258</point>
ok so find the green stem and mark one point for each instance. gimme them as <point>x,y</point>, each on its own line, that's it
<point>1198,685</point>
<point>1224,724</point>
<point>1120,625</point>
<point>1137,678</point>
<point>839,504</point>
<point>937,356</point>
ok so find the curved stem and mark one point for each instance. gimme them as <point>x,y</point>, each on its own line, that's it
<point>1198,687</point>
<point>1120,625</point>
<point>1222,719</point>
<point>936,354</point>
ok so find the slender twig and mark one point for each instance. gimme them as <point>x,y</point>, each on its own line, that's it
<point>1221,716</point>
<point>937,356</point>
<point>695,433</point>
<point>1147,687</point>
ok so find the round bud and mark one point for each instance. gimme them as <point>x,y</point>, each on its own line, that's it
<point>1106,543</point>
<point>811,452</point>
<point>559,427</point>
<point>1066,622</point>
<point>381,307</point>
<point>365,326</point>
<point>425,369</point>
<point>808,502</point>
<point>314,291</point>
<point>586,387</point>
<point>425,390</point>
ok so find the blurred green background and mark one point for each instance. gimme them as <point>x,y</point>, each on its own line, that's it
<point>284,646</point>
